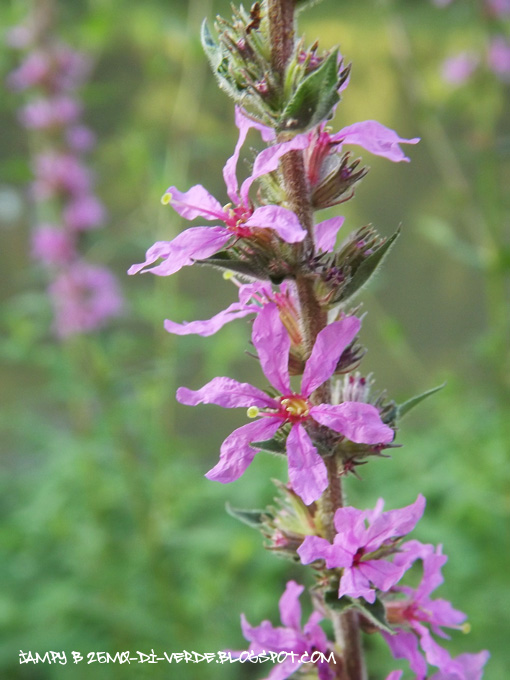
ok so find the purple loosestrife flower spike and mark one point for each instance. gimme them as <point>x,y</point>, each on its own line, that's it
<point>291,637</point>
<point>239,217</point>
<point>355,542</point>
<point>358,422</point>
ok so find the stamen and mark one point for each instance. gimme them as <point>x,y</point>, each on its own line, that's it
<point>296,407</point>
<point>166,198</point>
<point>252,412</point>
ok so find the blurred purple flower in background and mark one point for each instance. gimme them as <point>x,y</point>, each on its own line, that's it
<point>498,58</point>
<point>458,69</point>
<point>83,296</point>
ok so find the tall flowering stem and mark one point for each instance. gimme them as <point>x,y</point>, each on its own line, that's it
<point>281,27</point>
<point>300,288</point>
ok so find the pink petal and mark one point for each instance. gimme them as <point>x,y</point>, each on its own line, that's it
<point>283,221</point>
<point>350,525</point>
<point>381,573</point>
<point>196,202</point>
<point>314,548</point>
<point>394,523</point>
<point>158,250</point>
<point>290,608</point>
<point>242,119</point>
<point>284,670</point>
<point>236,454</point>
<point>307,472</point>
<point>467,667</point>
<point>328,348</point>
<point>375,138</point>
<point>193,244</point>
<point>268,160</point>
<point>354,584</point>
<point>404,645</point>
<point>210,326</point>
<point>269,638</point>
<point>359,422</point>
<point>326,232</point>
<point>272,343</point>
<point>395,675</point>
<point>225,392</point>
<point>230,169</point>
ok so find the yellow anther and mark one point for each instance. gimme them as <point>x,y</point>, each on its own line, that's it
<point>228,275</point>
<point>466,628</point>
<point>166,198</point>
<point>252,412</point>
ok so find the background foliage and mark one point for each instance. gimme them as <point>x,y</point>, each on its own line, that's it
<point>111,538</point>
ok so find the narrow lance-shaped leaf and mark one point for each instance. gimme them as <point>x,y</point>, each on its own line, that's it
<point>404,408</point>
<point>305,4</point>
<point>314,99</point>
<point>271,446</point>
<point>225,262</point>
<point>252,518</point>
<point>368,267</point>
<point>341,604</point>
<point>375,613</point>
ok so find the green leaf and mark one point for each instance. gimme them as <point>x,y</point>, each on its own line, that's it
<point>305,4</point>
<point>338,604</point>
<point>404,408</point>
<point>368,267</point>
<point>375,613</point>
<point>271,446</point>
<point>314,99</point>
<point>252,518</point>
<point>218,59</point>
<point>224,262</point>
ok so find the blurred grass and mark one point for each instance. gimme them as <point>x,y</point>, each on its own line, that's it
<point>111,538</point>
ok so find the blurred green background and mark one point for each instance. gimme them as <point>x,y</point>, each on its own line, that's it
<point>111,538</point>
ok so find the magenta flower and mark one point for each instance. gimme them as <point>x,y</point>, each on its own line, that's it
<point>307,472</point>
<point>500,8</point>
<point>463,667</point>
<point>80,138</point>
<point>355,544</point>
<point>291,637</point>
<point>375,138</point>
<point>84,297</point>
<point>240,219</point>
<point>32,71</point>
<point>84,212</point>
<point>416,610</point>
<point>498,57</point>
<point>369,134</point>
<point>52,245</point>
<point>46,113</point>
<point>58,173</point>
<point>252,297</point>
<point>457,69</point>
